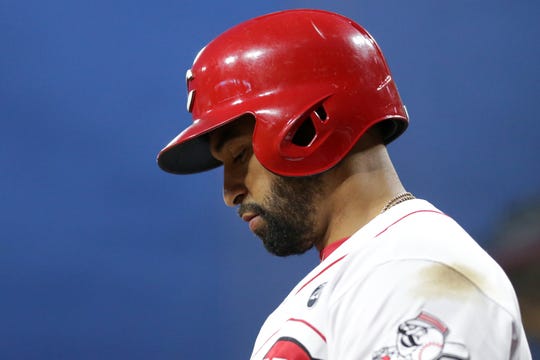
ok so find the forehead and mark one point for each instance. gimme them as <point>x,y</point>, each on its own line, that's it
<point>239,128</point>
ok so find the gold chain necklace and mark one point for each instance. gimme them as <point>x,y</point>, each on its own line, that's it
<point>398,200</point>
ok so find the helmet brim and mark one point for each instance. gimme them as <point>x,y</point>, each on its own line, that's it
<point>189,151</point>
<point>187,157</point>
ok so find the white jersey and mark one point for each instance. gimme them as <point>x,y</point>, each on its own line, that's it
<point>411,284</point>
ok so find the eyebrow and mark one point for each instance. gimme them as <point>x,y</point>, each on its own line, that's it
<point>227,132</point>
<point>222,138</point>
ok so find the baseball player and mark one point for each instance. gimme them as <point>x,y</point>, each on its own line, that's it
<point>298,106</point>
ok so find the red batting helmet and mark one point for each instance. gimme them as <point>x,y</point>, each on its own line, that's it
<point>314,81</point>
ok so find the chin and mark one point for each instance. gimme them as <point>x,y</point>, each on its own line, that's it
<point>283,250</point>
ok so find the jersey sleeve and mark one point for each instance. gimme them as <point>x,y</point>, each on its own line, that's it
<point>419,309</point>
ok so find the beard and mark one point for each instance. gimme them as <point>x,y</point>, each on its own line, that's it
<point>288,213</point>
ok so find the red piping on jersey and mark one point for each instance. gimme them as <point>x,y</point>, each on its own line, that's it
<point>332,247</point>
<point>321,335</point>
<point>323,270</point>
<point>311,326</point>
<point>403,217</point>
<point>264,343</point>
<point>324,253</point>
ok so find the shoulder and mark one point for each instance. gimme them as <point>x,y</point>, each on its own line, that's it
<point>437,303</point>
<point>418,249</point>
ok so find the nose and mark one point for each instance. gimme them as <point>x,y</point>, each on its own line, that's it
<point>234,189</point>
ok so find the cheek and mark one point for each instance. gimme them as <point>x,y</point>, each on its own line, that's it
<point>258,180</point>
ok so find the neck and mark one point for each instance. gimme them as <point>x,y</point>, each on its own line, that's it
<point>361,187</point>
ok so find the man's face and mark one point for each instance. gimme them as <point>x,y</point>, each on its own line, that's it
<point>282,211</point>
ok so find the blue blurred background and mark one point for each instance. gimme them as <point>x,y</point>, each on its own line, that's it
<point>103,256</point>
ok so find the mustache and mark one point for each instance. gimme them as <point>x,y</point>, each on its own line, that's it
<point>252,208</point>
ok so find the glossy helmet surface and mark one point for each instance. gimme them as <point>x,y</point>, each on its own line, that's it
<point>313,80</point>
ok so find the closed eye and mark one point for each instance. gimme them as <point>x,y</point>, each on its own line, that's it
<point>241,156</point>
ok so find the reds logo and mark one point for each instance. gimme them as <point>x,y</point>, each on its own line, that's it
<point>422,338</point>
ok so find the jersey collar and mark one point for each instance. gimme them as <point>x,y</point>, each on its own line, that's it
<point>331,248</point>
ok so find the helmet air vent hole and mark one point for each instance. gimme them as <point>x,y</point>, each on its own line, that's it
<point>305,133</point>
<point>321,113</point>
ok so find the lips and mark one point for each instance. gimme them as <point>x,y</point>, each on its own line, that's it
<point>248,216</point>
<point>252,218</point>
